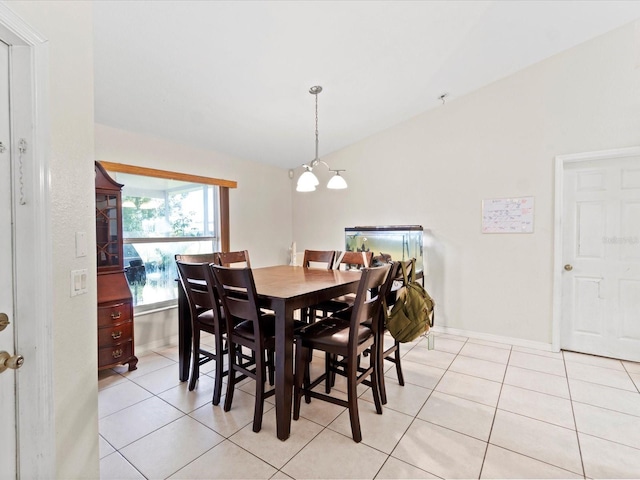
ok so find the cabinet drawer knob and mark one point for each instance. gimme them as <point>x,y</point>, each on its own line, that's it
<point>116,315</point>
<point>117,353</point>
<point>116,335</point>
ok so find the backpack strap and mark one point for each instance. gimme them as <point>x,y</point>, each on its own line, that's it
<point>404,273</point>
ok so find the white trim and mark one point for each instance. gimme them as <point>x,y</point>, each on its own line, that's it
<point>558,237</point>
<point>517,342</point>
<point>34,338</point>
<point>160,344</point>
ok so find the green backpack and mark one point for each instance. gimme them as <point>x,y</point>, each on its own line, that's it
<point>412,314</point>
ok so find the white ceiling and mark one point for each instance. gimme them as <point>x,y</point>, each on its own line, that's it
<point>233,76</point>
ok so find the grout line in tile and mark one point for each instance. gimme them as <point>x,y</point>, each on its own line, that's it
<point>573,413</point>
<point>607,408</point>
<point>495,413</point>
<point>608,440</point>
<point>534,370</point>
<point>118,452</point>
<point>637,385</point>
<point>533,458</point>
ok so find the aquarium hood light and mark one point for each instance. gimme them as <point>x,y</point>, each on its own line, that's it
<point>308,181</point>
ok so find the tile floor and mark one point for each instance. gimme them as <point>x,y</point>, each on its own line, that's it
<point>469,409</point>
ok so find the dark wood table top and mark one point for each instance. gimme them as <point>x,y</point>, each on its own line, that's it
<point>287,282</point>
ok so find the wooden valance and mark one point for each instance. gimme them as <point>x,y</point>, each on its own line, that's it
<point>152,172</point>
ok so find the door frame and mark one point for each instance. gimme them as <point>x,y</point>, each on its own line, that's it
<point>33,295</point>
<point>561,162</point>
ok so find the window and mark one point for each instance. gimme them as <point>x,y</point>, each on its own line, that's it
<point>162,217</point>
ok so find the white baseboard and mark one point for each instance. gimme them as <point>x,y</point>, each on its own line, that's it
<point>156,345</point>
<point>519,342</point>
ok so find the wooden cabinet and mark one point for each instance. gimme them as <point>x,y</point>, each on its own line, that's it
<point>115,303</point>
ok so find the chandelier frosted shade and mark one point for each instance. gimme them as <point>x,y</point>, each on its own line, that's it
<point>337,182</point>
<point>307,182</point>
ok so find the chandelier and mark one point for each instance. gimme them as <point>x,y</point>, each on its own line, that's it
<point>308,181</point>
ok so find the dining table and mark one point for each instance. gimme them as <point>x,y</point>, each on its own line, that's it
<point>282,289</point>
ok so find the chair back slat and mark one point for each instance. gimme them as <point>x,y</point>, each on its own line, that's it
<point>313,257</point>
<point>197,257</point>
<point>349,260</point>
<point>366,308</point>
<point>237,291</point>
<point>199,286</point>
<point>228,259</point>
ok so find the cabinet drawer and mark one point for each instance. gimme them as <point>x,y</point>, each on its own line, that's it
<point>115,334</point>
<point>115,354</point>
<point>114,313</point>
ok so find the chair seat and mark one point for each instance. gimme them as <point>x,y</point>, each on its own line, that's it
<point>245,328</point>
<point>335,304</point>
<point>207,319</point>
<point>268,323</point>
<point>332,333</point>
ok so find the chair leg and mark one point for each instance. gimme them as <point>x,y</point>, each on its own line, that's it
<point>398,364</point>
<point>307,374</point>
<point>232,376</point>
<point>260,380</point>
<point>271,366</point>
<point>217,387</point>
<point>327,370</point>
<point>352,399</point>
<point>380,370</point>
<point>375,382</point>
<point>195,358</point>
<point>301,365</point>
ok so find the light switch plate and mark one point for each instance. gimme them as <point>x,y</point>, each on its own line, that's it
<point>78,282</point>
<point>81,244</point>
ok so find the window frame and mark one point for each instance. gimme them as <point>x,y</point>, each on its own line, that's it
<point>223,209</point>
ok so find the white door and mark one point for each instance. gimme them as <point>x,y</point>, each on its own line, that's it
<point>8,377</point>
<point>601,257</point>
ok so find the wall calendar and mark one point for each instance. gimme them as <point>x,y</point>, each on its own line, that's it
<point>507,215</point>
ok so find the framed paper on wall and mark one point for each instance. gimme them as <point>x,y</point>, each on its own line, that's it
<point>508,215</point>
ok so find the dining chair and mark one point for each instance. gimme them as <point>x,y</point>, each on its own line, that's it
<point>228,259</point>
<point>316,259</point>
<point>345,340</point>
<point>387,295</point>
<point>206,315</point>
<point>249,327</point>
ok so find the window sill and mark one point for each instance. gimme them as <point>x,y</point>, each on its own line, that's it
<point>142,311</point>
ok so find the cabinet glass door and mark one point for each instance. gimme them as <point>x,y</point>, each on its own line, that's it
<point>107,230</point>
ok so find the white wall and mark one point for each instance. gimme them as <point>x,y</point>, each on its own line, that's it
<point>260,208</point>
<point>500,141</point>
<point>68,28</point>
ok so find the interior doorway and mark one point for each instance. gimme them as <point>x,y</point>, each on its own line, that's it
<point>25,250</point>
<point>7,343</point>
<point>597,271</point>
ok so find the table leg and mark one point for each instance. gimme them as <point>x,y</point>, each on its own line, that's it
<point>184,335</point>
<point>284,368</point>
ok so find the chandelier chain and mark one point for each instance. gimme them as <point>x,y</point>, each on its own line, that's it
<point>316,95</point>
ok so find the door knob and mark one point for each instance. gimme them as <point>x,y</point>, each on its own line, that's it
<point>568,267</point>
<point>7,361</point>
<point>4,321</point>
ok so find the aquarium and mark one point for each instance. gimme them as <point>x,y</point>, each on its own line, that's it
<point>388,243</point>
